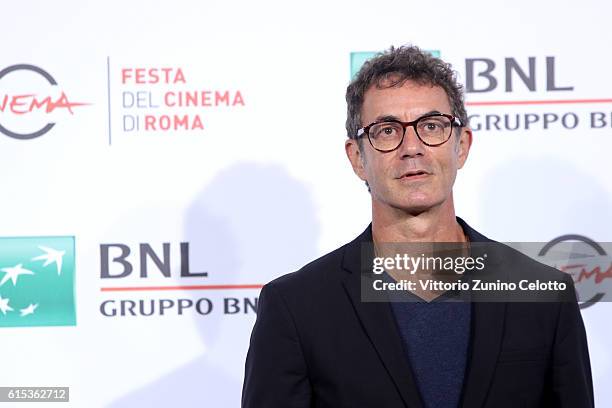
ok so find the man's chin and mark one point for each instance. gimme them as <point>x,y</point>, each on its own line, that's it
<point>415,204</point>
<point>414,207</point>
<point>415,210</point>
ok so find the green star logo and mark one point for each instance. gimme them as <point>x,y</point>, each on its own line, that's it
<point>37,282</point>
<point>359,57</point>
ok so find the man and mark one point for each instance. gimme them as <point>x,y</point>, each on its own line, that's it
<point>317,343</point>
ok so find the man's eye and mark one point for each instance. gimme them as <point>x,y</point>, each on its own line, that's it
<point>431,125</point>
<point>387,131</point>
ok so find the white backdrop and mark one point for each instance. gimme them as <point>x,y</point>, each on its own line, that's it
<point>262,186</point>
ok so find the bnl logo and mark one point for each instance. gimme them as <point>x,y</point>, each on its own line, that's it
<point>360,57</point>
<point>37,281</point>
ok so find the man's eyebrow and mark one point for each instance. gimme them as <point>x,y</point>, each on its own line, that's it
<point>384,118</point>
<point>433,112</point>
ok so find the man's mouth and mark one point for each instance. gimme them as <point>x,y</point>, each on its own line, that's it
<point>414,174</point>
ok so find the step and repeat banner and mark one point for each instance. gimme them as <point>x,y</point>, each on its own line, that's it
<point>163,160</point>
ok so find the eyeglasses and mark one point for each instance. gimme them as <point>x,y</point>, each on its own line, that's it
<point>433,130</point>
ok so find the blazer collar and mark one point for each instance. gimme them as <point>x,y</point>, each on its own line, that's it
<point>472,234</point>
<point>487,323</point>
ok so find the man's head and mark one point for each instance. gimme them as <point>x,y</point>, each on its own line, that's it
<point>404,84</point>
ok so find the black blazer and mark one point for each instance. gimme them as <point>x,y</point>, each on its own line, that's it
<point>316,344</point>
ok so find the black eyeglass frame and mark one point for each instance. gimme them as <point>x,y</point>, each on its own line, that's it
<point>455,122</point>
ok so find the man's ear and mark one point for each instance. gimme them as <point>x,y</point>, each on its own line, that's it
<point>463,146</point>
<point>355,156</point>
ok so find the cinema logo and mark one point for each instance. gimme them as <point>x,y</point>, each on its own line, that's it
<point>530,76</point>
<point>30,101</point>
<point>586,261</point>
<point>165,99</point>
<point>129,270</point>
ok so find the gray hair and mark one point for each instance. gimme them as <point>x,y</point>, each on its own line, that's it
<point>393,68</point>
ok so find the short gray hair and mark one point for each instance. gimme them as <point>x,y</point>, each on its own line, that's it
<point>392,68</point>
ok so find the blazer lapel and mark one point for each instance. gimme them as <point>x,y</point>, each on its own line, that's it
<point>379,324</point>
<point>487,331</point>
<point>486,337</point>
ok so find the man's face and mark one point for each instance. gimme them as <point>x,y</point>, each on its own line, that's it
<point>414,177</point>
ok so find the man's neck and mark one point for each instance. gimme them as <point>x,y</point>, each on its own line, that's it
<point>437,224</point>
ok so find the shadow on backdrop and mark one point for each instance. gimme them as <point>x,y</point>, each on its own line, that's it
<point>250,224</point>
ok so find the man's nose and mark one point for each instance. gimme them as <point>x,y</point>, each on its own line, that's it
<point>411,145</point>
